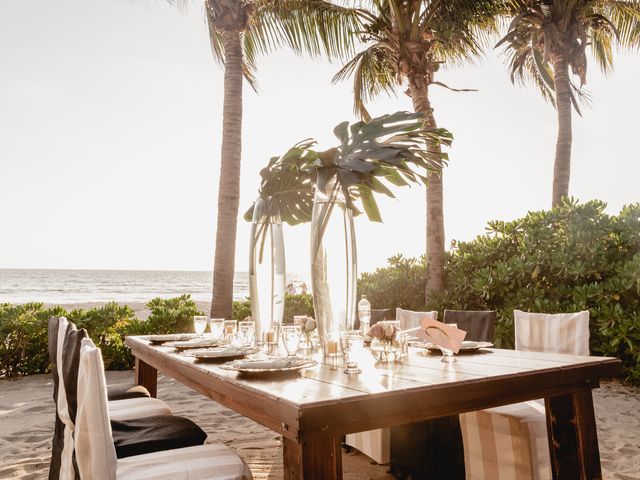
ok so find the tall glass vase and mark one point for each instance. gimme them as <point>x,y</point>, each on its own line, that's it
<point>266,268</point>
<point>333,259</point>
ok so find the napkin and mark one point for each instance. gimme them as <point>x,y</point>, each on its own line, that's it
<point>441,334</point>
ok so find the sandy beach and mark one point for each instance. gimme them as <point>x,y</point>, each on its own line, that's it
<point>27,412</point>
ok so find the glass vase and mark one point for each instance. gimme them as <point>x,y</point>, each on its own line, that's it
<point>386,351</point>
<point>333,258</point>
<point>266,269</point>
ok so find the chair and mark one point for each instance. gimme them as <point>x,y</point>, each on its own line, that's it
<point>511,441</point>
<point>142,435</point>
<point>377,315</point>
<point>375,444</point>
<point>479,324</point>
<point>96,455</point>
<point>418,449</point>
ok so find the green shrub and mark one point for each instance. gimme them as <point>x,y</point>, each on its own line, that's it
<point>171,315</point>
<point>23,334</point>
<point>298,304</point>
<point>574,257</point>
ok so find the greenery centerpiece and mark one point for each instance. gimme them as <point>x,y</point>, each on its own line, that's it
<point>330,187</point>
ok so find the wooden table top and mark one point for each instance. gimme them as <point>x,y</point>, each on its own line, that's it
<point>324,400</point>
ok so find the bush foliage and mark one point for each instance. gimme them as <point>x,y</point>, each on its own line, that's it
<point>574,257</point>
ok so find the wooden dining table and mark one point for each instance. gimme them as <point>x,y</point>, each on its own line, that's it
<point>312,409</point>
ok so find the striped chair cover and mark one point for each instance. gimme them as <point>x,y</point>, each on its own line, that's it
<point>375,444</point>
<point>95,452</point>
<point>510,442</point>
<point>132,408</point>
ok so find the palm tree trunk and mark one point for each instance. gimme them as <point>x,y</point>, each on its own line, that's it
<point>229,185</point>
<point>435,212</point>
<point>562,165</point>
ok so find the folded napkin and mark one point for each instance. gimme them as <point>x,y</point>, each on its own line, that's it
<point>272,363</point>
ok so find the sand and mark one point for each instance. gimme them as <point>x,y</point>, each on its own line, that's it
<point>27,412</point>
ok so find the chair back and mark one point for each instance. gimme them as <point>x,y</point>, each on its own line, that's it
<point>479,325</point>
<point>554,333</point>
<point>410,319</point>
<point>95,452</point>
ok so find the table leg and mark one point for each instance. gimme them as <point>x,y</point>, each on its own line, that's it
<point>147,376</point>
<point>573,440</point>
<point>316,460</point>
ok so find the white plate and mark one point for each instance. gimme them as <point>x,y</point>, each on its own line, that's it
<point>220,354</point>
<point>193,344</point>
<point>269,366</point>
<point>171,337</point>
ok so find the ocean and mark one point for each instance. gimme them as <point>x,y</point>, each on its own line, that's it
<point>83,286</point>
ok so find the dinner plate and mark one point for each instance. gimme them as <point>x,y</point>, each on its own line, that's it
<point>220,354</point>
<point>279,365</point>
<point>194,343</point>
<point>172,337</point>
<point>467,346</point>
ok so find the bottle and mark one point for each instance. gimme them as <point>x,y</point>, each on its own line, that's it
<point>364,313</point>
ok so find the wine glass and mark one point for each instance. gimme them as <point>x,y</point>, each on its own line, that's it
<point>291,339</point>
<point>447,355</point>
<point>246,332</point>
<point>351,341</point>
<point>216,325</point>
<point>230,330</point>
<point>199,324</point>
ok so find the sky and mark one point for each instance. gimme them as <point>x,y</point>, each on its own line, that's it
<point>110,132</point>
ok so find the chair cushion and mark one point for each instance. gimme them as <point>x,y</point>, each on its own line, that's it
<point>132,408</point>
<point>507,442</point>
<point>566,333</point>
<point>410,319</point>
<point>206,462</point>
<point>373,443</point>
<point>479,325</point>
<point>152,434</point>
<point>122,391</point>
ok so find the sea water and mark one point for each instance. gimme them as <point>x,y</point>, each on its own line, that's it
<point>83,286</point>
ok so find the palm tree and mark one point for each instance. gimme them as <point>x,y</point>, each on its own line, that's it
<point>410,40</point>
<point>239,31</point>
<point>546,38</point>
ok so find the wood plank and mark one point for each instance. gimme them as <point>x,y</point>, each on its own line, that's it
<point>147,376</point>
<point>312,460</point>
<point>573,440</point>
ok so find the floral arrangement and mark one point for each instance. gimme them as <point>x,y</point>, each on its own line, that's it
<point>383,331</point>
<point>308,328</point>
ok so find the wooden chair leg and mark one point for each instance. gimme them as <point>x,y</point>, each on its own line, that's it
<point>573,440</point>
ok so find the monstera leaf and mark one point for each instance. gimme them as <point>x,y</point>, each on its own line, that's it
<point>390,150</point>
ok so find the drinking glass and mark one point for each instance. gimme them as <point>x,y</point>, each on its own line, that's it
<point>246,332</point>
<point>230,330</point>
<point>216,325</point>
<point>447,355</point>
<point>199,324</point>
<point>291,339</point>
<point>271,339</point>
<point>351,342</point>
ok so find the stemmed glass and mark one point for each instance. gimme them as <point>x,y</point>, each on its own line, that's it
<point>199,324</point>
<point>351,342</point>
<point>246,332</point>
<point>216,325</point>
<point>291,339</point>
<point>230,330</point>
<point>447,355</point>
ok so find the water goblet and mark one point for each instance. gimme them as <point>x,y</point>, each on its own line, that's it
<point>351,343</point>
<point>246,332</point>
<point>291,339</point>
<point>230,330</point>
<point>199,324</point>
<point>447,355</point>
<point>216,325</point>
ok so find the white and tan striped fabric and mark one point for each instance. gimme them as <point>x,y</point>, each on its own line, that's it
<point>96,455</point>
<point>211,461</point>
<point>510,442</point>
<point>375,444</point>
<point>410,319</point>
<point>553,333</point>
<point>133,408</point>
